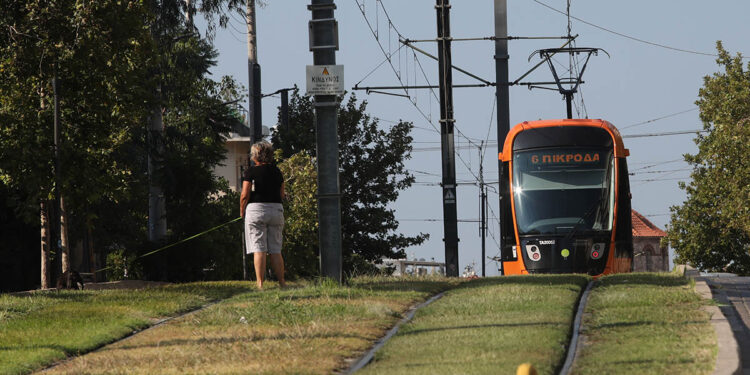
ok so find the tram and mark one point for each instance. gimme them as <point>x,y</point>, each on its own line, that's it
<point>565,199</point>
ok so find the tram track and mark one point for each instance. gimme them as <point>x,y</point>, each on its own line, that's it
<point>573,347</point>
<point>572,352</point>
<point>367,357</point>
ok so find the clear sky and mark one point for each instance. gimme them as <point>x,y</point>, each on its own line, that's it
<point>638,83</point>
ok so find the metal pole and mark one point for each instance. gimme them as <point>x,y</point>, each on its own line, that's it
<point>568,103</point>
<point>483,200</point>
<point>323,45</point>
<point>157,212</point>
<point>285,109</point>
<point>447,122</point>
<point>254,119</point>
<point>501,90</point>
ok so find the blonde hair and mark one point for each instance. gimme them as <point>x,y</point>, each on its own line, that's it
<point>262,152</point>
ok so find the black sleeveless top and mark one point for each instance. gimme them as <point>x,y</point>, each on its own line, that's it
<point>266,180</point>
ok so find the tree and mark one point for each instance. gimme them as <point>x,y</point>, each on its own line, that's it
<point>372,173</point>
<point>300,215</point>
<point>106,57</point>
<point>196,118</point>
<point>711,230</point>
<point>99,66</point>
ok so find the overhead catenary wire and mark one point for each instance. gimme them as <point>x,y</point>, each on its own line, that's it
<point>404,87</point>
<point>494,143</point>
<point>654,164</point>
<point>661,179</point>
<point>665,133</point>
<point>397,122</point>
<point>657,119</point>
<point>390,62</point>
<point>629,36</point>
<point>387,58</point>
<point>662,171</point>
<point>398,75</point>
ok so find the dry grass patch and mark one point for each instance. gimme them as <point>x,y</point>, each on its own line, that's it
<point>39,328</point>
<point>303,330</point>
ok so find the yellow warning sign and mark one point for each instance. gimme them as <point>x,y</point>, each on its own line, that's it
<point>325,71</point>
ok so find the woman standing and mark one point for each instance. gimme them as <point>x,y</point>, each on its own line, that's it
<point>260,206</point>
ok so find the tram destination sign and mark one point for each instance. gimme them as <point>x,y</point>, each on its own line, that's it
<point>325,80</point>
<point>563,158</point>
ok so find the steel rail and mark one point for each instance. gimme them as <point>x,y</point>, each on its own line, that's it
<point>573,347</point>
<point>370,354</point>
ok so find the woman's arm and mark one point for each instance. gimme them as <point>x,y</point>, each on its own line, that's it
<point>244,197</point>
<point>283,192</point>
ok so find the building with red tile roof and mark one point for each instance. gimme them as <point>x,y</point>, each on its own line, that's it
<point>649,254</point>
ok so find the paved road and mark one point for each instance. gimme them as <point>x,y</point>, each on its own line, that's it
<point>733,292</point>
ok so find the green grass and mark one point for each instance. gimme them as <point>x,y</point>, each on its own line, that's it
<point>646,323</point>
<point>487,326</point>
<point>635,323</point>
<point>304,329</point>
<point>42,327</point>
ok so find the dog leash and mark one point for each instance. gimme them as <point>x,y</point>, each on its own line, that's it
<point>177,243</point>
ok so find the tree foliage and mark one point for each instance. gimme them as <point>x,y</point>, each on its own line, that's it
<point>371,174</point>
<point>101,54</point>
<point>110,56</point>
<point>300,247</point>
<point>711,230</point>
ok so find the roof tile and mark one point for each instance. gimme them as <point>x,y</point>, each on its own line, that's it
<point>642,227</point>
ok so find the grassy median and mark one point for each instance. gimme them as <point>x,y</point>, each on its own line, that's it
<point>304,329</point>
<point>487,326</point>
<point>39,328</point>
<point>646,323</point>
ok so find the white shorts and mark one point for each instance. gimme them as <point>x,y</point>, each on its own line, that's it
<point>264,223</point>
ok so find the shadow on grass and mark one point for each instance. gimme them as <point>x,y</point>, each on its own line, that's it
<point>442,284</point>
<point>535,280</point>
<point>644,278</point>
<point>480,326</point>
<point>660,361</point>
<point>405,285</point>
<point>67,295</point>
<point>644,323</point>
<point>233,340</point>
<point>220,290</point>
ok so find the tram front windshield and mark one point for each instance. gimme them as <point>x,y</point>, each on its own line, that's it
<point>563,190</point>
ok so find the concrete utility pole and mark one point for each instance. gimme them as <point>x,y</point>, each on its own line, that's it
<point>285,109</point>
<point>323,44</point>
<point>157,212</point>
<point>483,202</point>
<point>254,118</point>
<point>501,91</point>
<point>447,122</point>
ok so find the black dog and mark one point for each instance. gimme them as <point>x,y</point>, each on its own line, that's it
<point>70,280</point>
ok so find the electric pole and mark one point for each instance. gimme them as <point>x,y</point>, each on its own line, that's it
<point>254,119</point>
<point>323,44</point>
<point>447,122</point>
<point>285,109</point>
<point>501,92</point>
<point>157,212</point>
<point>483,202</point>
